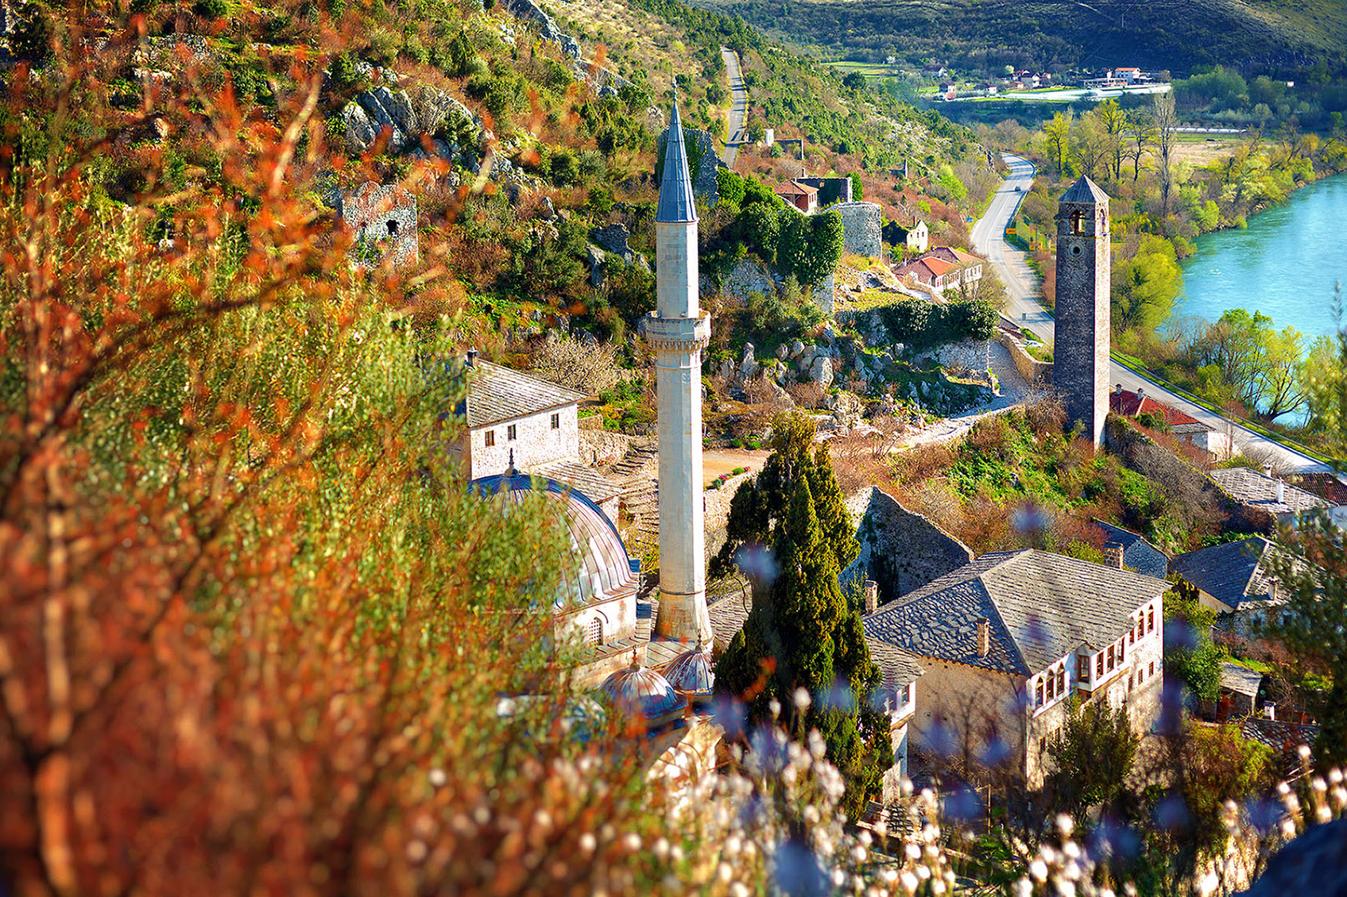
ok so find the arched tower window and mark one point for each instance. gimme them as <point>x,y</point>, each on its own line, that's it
<point>1078,222</point>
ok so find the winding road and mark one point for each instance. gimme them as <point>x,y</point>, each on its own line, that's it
<point>1024,309</point>
<point>738,106</point>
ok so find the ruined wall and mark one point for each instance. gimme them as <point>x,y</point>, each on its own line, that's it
<point>1030,368</point>
<point>717,504</point>
<point>862,226</point>
<point>383,217</point>
<point>900,550</point>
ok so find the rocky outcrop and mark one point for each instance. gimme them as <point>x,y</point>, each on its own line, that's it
<point>407,115</point>
<point>532,13</point>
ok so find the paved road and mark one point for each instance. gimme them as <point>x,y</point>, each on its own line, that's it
<point>738,105</point>
<point>1025,309</point>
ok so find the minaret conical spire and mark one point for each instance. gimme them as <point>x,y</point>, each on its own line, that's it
<point>676,202</point>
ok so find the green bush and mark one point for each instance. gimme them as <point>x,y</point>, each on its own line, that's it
<point>922,324</point>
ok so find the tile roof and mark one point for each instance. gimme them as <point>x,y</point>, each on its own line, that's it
<point>1240,679</point>
<point>676,201</point>
<point>1325,485</point>
<point>1257,489</point>
<point>898,667</point>
<point>497,393</point>
<point>1085,191</point>
<point>1132,404</point>
<point>795,188</point>
<point>1041,606</point>
<point>954,256</point>
<point>1233,573</point>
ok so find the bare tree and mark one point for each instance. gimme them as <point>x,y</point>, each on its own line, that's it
<point>1166,122</point>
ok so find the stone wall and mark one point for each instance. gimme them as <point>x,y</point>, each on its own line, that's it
<point>717,504</point>
<point>1177,477</point>
<point>862,225</point>
<point>900,550</point>
<point>600,447</point>
<point>965,355</point>
<point>383,217</point>
<point>1030,368</point>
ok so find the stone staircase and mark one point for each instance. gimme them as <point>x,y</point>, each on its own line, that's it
<point>636,474</point>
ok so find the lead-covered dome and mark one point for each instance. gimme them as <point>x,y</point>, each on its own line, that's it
<point>642,692</point>
<point>602,568</point>
<point>692,673</point>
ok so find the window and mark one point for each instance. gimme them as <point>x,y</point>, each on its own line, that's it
<point>1152,668</point>
<point>1083,668</point>
<point>1150,620</point>
<point>1052,685</point>
<point>594,632</point>
<point>904,694</point>
<point>490,438</point>
<point>556,422</point>
<point>1061,680</point>
<point>511,432</point>
<point>392,228</point>
<point>1099,665</point>
<point>1122,650</point>
<point>1110,659</point>
<point>1038,691</point>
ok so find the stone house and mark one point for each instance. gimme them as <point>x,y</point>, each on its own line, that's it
<point>1007,640</point>
<point>383,219</point>
<point>528,424</point>
<point>1239,691</point>
<point>942,269</point>
<point>899,672</point>
<point>1126,549</point>
<point>916,238</point>
<point>830,190</point>
<point>1236,580</point>
<point>1181,426</point>
<point>1261,491</point>
<point>801,196</point>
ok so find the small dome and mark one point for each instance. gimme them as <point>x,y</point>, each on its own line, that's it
<point>638,691</point>
<point>602,567</point>
<point>692,672</point>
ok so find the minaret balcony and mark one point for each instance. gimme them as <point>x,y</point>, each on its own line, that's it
<point>676,334</point>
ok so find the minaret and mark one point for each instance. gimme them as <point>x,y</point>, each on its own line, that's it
<point>677,332</point>
<point>1080,371</point>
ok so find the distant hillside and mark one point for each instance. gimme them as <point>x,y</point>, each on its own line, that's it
<point>1161,34</point>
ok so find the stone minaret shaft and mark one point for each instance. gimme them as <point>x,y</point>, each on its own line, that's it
<point>677,332</point>
<point>1080,372</point>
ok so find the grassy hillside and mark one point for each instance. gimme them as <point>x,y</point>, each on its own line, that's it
<point>1163,34</point>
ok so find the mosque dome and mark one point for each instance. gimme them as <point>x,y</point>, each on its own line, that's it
<point>601,569</point>
<point>639,691</point>
<point>692,673</point>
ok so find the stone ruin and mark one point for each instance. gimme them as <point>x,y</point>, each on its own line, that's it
<point>863,225</point>
<point>383,218</point>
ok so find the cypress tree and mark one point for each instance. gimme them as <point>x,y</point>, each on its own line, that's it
<point>802,632</point>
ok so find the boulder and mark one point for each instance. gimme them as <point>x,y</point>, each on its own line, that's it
<point>821,371</point>
<point>613,238</point>
<point>748,365</point>
<point>596,257</point>
<point>796,349</point>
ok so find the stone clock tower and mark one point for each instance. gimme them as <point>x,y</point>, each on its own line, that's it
<point>1080,372</point>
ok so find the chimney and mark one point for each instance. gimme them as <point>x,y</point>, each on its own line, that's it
<point>1117,389</point>
<point>1267,469</point>
<point>1274,590</point>
<point>1141,392</point>
<point>1270,710</point>
<point>984,637</point>
<point>472,357</point>
<point>871,596</point>
<point>1113,555</point>
<point>1281,491</point>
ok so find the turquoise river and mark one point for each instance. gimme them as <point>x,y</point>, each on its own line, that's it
<point>1284,264</point>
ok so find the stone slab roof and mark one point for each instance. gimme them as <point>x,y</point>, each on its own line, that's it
<point>497,393</point>
<point>1234,573</point>
<point>728,614</point>
<point>1040,606</point>
<point>1140,555</point>
<point>897,666</point>
<point>1258,490</point>
<point>1084,190</point>
<point>1240,679</point>
<point>587,480</point>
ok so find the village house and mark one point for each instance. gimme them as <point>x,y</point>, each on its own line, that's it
<point>942,269</point>
<point>528,424</point>
<point>899,672</point>
<point>801,196</point>
<point>1005,641</point>
<point>915,239</point>
<point>830,189</point>
<point>1126,549</point>
<point>1262,491</point>
<point>1236,580</point>
<point>1181,426</point>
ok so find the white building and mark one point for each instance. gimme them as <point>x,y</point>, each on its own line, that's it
<point>1004,642</point>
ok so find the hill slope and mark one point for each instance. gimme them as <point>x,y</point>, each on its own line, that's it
<point>1161,34</point>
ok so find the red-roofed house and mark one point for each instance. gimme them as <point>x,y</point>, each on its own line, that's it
<point>1181,425</point>
<point>942,269</point>
<point>802,196</point>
